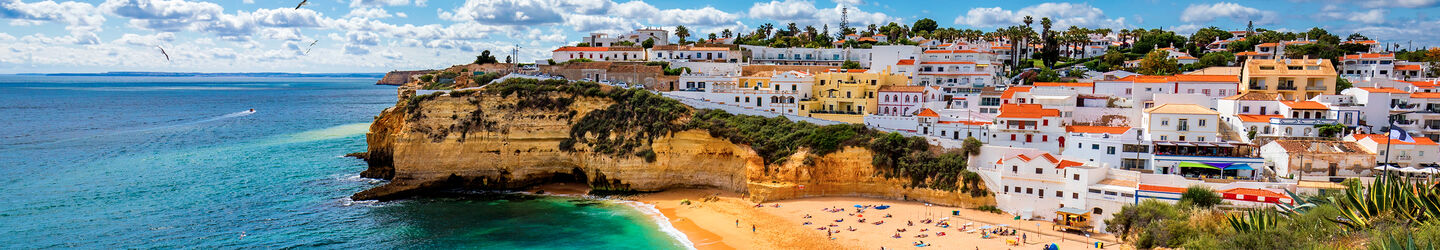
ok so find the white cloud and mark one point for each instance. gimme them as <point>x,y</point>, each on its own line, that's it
<point>1063,15</point>
<point>146,40</point>
<point>802,12</point>
<point>374,3</point>
<point>707,16</point>
<point>1374,16</point>
<point>1184,29</point>
<point>1198,13</point>
<point>507,12</point>
<point>163,15</point>
<point>6,37</point>
<point>81,19</point>
<point>851,2</point>
<point>371,13</point>
<point>1385,3</point>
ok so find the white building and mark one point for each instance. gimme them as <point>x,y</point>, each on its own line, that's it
<point>637,37</point>
<point>1319,159</point>
<point>1421,153</point>
<point>679,53</point>
<point>568,53</point>
<point>1028,126</point>
<point>807,56</point>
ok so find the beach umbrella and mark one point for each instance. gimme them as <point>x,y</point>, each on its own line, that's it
<point>985,227</point>
<point>859,206</point>
<point>1003,225</point>
<point>969,223</point>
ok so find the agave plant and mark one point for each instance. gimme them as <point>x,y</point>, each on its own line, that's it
<point>1253,221</point>
<point>1300,205</point>
<point>1400,199</point>
<point>1392,243</point>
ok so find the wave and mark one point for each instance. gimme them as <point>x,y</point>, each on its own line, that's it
<point>211,119</point>
<point>660,220</point>
<point>154,88</point>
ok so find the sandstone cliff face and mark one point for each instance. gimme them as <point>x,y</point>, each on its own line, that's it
<point>481,141</point>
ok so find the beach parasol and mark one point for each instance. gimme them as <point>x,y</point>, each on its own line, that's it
<point>859,206</point>
<point>969,223</point>
<point>1003,225</point>
<point>985,227</point>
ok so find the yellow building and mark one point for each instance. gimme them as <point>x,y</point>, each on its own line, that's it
<point>847,96</point>
<point>1292,79</point>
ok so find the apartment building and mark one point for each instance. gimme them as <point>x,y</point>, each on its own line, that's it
<point>1029,126</point>
<point>1418,154</point>
<point>848,95</point>
<point>1293,79</point>
<point>637,37</point>
<point>807,56</point>
<point>1319,160</point>
<point>598,54</point>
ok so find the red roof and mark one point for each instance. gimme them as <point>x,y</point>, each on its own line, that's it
<point>1065,84</point>
<point>971,123</point>
<point>1257,118</point>
<point>1010,92</point>
<point>949,51</point>
<point>1179,78</point>
<point>1096,129</point>
<point>928,113</point>
<point>1254,192</point>
<point>1067,163</point>
<point>906,62</point>
<point>1380,139</point>
<point>1425,95</point>
<point>1268,44</point>
<point>947,62</point>
<point>1369,56</point>
<point>1382,90</point>
<point>1407,67</point>
<point>1031,111</point>
<point>573,48</point>
<point>1304,105</point>
<point>1177,190</point>
<point>867,39</point>
<point>1363,42</point>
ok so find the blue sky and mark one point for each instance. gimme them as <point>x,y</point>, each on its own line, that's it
<point>381,35</point>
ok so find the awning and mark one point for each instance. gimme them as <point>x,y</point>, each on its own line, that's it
<point>1203,144</point>
<point>1219,165</point>
<point>1196,165</point>
<point>1071,210</point>
<point>1239,166</point>
<point>1164,143</point>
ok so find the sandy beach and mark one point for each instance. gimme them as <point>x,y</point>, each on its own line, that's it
<point>712,224</point>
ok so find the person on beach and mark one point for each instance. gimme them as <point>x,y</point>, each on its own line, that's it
<point>737,223</point>
<point>752,228</point>
<point>1024,238</point>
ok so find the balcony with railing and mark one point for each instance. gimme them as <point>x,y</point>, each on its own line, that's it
<point>1205,149</point>
<point>1405,122</point>
<point>1315,87</point>
<point>1302,121</point>
<point>1286,87</point>
<point>1258,87</point>
<point>1405,106</point>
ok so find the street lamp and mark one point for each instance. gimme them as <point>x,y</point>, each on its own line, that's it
<point>1390,124</point>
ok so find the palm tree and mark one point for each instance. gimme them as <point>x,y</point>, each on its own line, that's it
<point>682,32</point>
<point>726,33</point>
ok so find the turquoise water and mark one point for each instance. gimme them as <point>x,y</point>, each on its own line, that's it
<point>141,162</point>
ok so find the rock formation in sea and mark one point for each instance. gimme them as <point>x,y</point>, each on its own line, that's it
<point>491,140</point>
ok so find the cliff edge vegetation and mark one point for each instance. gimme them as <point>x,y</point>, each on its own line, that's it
<point>523,132</point>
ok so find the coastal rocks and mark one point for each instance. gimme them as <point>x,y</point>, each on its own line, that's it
<point>428,144</point>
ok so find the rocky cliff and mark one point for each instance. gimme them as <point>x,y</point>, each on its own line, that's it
<point>485,140</point>
<point>400,77</point>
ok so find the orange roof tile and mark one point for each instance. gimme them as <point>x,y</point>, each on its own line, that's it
<point>1269,44</point>
<point>867,39</point>
<point>573,48</point>
<point>1407,67</point>
<point>1304,105</point>
<point>898,88</point>
<point>1096,129</point>
<point>928,113</point>
<point>1382,90</point>
<point>1068,163</point>
<point>1255,192</point>
<point>1010,92</point>
<point>1177,190</point>
<point>1380,139</point>
<point>1030,111</point>
<point>1363,42</point>
<point>1257,118</point>
<point>906,62</point>
<point>936,51</point>
<point>1049,157</point>
<point>1065,84</point>
<point>947,62</point>
<point>1369,56</point>
<point>1425,95</point>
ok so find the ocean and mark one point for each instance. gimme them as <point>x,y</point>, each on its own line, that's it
<point>178,162</point>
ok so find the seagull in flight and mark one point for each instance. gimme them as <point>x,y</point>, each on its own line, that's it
<point>302,3</point>
<point>312,46</point>
<point>162,52</point>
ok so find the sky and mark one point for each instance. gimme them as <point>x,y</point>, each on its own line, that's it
<point>53,36</point>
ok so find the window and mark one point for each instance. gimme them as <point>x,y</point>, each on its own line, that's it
<point>1202,123</point>
<point>1007,189</point>
<point>1060,194</point>
<point>1202,138</point>
<point>1094,191</point>
<point>1039,170</point>
<point>1074,195</point>
<point>1029,190</point>
<point>1014,169</point>
<point>1162,138</point>
<point>1077,177</point>
<point>1095,146</point>
<point>1182,125</point>
<point>1245,109</point>
<point>1110,150</point>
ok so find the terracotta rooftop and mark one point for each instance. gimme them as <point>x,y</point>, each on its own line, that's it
<point>1153,188</point>
<point>1380,139</point>
<point>1254,96</point>
<point>906,62</point>
<point>1118,182</point>
<point>898,88</point>
<point>1425,95</point>
<point>1096,129</point>
<point>1321,147</point>
<point>1065,84</point>
<point>573,48</point>
<point>1408,67</point>
<point>1031,111</point>
<point>1010,92</point>
<point>1304,105</point>
<point>1257,118</point>
<point>1255,192</point>
<point>1383,90</point>
<point>928,113</point>
<point>1173,108</point>
<point>1067,163</point>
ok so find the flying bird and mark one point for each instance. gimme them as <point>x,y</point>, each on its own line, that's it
<point>162,52</point>
<point>302,3</point>
<point>312,46</point>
